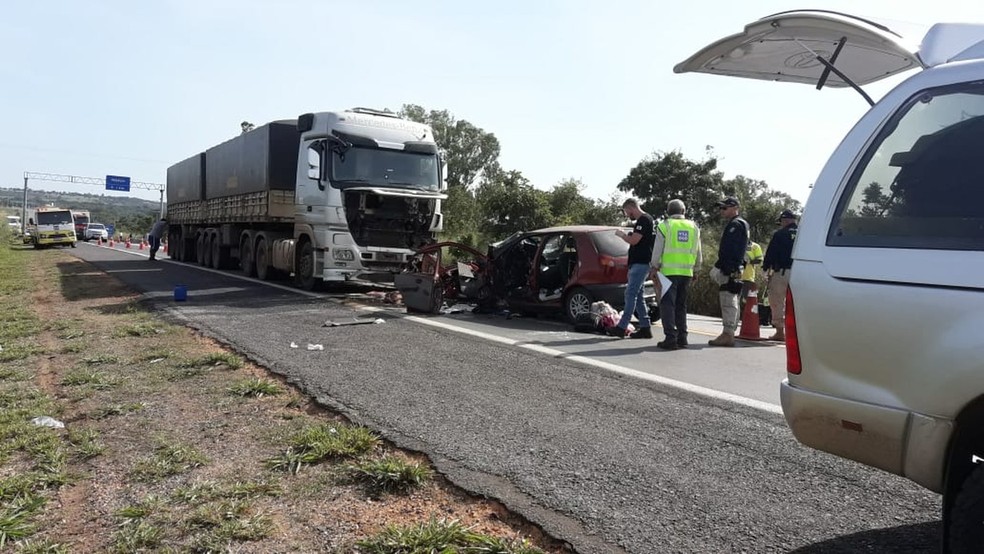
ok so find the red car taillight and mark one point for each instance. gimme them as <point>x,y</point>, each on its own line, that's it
<point>607,263</point>
<point>793,363</point>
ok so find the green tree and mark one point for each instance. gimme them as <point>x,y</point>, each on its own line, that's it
<point>661,177</point>
<point>246,127</point>
<point>509,203</point>
<point>570,206</point>
<point>874,202</point>
<point>760,205</point>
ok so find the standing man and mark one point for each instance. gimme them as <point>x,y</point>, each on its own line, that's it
<point>676,254</point>
<point>154,237</point>
<point>727,269</point>
<point>640,241</point>
<point>777,265</point>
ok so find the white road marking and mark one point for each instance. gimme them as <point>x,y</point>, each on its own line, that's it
<point>681,385</point>
<point>696,389</point>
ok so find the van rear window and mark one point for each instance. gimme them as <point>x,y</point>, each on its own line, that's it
<point>920,184</point>
<point>607,243</point>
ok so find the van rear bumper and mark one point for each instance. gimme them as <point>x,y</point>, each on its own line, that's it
<point>898,441</point>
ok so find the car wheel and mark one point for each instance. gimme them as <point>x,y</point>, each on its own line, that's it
<point>305,267</point>
<point>577,302</point>
<point>966,525</point>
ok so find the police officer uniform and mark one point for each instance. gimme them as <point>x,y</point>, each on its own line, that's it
<point>727,271</point>
<point>779,263</point>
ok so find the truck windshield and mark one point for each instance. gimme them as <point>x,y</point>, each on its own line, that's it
<point>54,218</point>
<point>387,168</point>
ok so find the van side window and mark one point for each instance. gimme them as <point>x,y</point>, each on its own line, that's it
<point>921,184</point>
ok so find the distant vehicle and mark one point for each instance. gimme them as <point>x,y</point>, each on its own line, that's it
<point>14,224</point>
<point>559,269</point>
<point>96,231</point>
<point>52,227</point>
<point>330,196</point>
<point>81,220</point>
<point>885,302</point>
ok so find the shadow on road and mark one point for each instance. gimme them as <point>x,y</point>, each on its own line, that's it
<point>918,537</point>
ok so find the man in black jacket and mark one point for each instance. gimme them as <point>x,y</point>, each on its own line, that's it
<point>727,270</point>
<point>777,265</point>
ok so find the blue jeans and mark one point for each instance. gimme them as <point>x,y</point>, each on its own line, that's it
<point>634,301</point>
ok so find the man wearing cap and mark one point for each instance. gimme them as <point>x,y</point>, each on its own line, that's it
<point>777,265</point>
<point>727,269</point>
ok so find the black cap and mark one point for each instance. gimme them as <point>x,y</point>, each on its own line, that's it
<point>787,214</point>
<point>727,201</point>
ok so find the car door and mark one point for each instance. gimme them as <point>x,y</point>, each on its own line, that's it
<point>548,277</point>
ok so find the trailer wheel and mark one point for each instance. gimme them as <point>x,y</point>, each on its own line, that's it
<point>207,247</point>
<point>262,254</point>
<point>305,267</point>
<point>200,249</point>
<point>247,261</point>
<point>220,256</point>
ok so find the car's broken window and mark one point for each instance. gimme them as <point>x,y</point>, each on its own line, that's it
<point>921,185</point>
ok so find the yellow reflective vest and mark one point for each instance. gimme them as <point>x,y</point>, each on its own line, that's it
<point>753,257</point>
<point>682,242</point>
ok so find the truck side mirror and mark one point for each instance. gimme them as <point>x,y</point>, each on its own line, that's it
<point>444,175</point>
<point>314,162</point>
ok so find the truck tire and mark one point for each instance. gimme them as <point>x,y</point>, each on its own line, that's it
<point>247,258</point>
<point>200,249</point>
<point>966,521</point>
<point>207,247</point>
<point>262,254</point>
<point>220,256</point>
<point>304,277</point>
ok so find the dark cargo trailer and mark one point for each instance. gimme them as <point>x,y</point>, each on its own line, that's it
<point>260,160</point>
<point>186,180</point>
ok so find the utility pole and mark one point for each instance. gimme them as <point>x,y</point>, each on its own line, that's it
<point>24,209</point>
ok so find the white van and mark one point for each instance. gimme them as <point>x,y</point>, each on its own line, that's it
<point>885,324</point>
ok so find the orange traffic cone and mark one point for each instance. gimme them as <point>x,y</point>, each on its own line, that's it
<point>141,245</point>
<point>127,243</point>
<point>164,246</point>
<point>111,243</point>
<point>749,318</point>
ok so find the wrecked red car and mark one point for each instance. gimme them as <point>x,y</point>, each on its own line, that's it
<point>559,269</point>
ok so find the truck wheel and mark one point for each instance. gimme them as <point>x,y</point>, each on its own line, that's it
<point>200,249</point>
<point>262,254</point>
<point>219,254</point>
<point>305,267</point>
<point>577,302</point>
<point>207,247</point>
<point>966,525</point>
<point>247,262</point>
<point>73,245</point>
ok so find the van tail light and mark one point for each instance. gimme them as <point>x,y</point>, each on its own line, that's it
<point>793,363</point>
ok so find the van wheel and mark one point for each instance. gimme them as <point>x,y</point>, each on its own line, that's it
<point>305,267</point>
<point>577,302</point>
<point>966,525</point>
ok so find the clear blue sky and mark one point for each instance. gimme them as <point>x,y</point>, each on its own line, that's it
<point>571,88</point>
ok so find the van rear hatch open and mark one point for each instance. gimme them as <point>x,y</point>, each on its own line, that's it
<point>830,49</point>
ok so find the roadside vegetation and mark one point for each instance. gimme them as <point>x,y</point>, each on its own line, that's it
<point>122,432</point>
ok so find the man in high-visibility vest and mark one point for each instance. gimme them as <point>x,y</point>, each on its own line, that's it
<point>677,255</point>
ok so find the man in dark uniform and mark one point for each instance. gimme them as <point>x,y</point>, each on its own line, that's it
<point>727,270</point>
<point>641,241</point>
<point>777,265</point>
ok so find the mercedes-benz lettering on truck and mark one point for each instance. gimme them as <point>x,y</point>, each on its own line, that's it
<point>330,196</point>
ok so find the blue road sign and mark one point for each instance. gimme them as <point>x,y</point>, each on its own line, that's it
<point>115,182</point>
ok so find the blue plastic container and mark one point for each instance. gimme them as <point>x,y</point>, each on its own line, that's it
<point>180,293</point>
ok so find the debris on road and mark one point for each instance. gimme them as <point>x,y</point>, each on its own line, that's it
<point>376,321</point>
<point>315,347</point>
<point>46,421</point>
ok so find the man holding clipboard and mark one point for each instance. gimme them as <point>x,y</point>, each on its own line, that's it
<point>676,257</point>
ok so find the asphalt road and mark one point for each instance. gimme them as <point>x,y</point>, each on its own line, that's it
<point>567,430</point>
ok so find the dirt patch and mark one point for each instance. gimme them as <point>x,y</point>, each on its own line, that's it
<point>183,458</point>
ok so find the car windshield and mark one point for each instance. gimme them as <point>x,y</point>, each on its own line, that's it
<point>388,168</point>
<point>97,227</point>
<point>54,218</point>
<point>609,244</point>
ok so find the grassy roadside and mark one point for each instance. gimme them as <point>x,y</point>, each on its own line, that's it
<point>172,444</point>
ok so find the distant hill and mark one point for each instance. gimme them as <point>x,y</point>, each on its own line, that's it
<point>128,214</point>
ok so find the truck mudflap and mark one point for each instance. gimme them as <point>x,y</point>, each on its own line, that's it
<point>390,218</point>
